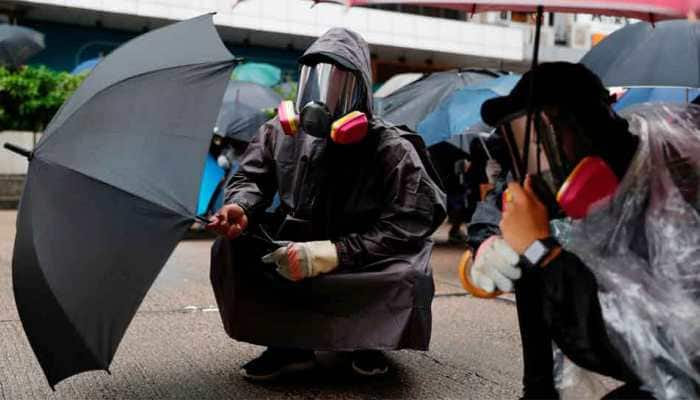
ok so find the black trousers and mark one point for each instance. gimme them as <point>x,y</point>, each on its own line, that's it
<point>559,303</point>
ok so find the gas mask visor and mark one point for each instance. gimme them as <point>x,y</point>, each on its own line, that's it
<point>336,88</point>
<point>539,152</point>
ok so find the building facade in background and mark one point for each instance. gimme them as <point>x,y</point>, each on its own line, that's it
<point>403,38</point>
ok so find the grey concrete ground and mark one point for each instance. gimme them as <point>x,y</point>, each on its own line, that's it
<point>176,347</point>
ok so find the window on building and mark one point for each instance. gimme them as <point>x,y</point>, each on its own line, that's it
<point>519,17</point>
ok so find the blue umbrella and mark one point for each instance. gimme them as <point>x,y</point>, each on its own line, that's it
<point>638,95</point>
<point>461,112</point>
<point>260,73</point>
<point>86,66</point>
<point>212,176</point>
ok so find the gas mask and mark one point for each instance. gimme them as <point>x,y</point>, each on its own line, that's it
<point>565,175</point>
<point>326,107</point>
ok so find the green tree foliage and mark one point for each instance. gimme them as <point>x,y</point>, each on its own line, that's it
<point>287,90</point>
<point>30,96</point>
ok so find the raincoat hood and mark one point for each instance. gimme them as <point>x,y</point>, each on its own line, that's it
<point>348,49</point>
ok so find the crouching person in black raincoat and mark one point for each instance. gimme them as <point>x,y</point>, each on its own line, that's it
<point>600,243</point>
<point>359,202</point>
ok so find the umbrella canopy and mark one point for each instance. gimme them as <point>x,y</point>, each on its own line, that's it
<point>260,73</point>
<point>243,109</point>
<point>86,66</point>
<point>648,10</point>
<point>652,95</point>
<point>112,187</point>
<point>395,83</point>
<point>642,54</point>
<point>461,112</point>
<point>18,44</point>
<point>412,103</point>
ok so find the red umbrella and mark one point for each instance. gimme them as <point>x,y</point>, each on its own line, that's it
<point>648,10</point>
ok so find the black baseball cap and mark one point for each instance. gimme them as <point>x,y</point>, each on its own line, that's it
<point>561,84</point>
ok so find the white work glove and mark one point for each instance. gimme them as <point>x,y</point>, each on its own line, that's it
<point>495,266</point>
<point>493,171</point>
<point>298,261</point>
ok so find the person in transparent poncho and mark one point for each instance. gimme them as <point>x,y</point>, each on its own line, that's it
<point>601,242</point>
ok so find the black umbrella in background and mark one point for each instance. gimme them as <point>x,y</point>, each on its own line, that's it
<point>664,54</point>
<point>243,110</point>
<point>112,187</point>
<point>412,103</point>
<point>18,44</point>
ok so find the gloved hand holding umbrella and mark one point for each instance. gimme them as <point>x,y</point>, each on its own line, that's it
<point>495,266</point>
<point>494,269</point>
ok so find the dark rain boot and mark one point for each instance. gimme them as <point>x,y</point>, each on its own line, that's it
<point>274,362</point>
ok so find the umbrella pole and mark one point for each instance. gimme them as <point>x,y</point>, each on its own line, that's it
<point>486,149</point>
<point>538,29</point>
<point>530,101</point>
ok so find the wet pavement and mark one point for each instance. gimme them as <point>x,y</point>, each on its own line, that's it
<point>176,348</point>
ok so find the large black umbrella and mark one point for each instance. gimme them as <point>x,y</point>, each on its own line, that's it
<point>412,103</point>
<point>18,44</point>
<point>112,187</point>
<point>664,54</point>
<point>244,109</point>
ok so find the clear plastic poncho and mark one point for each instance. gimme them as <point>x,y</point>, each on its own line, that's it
<point>643,246</point>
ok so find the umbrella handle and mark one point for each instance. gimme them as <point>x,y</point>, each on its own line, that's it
<point>19,150</point>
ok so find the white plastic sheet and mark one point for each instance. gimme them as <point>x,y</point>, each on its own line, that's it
<point>643,247</point>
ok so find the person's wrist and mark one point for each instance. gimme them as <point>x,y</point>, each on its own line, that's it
<point>532,242</point>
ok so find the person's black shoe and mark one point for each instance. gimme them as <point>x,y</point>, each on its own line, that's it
<point>369,362</point>
<point>275,362</point>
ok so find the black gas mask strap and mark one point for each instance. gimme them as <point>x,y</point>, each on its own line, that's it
<point>533,115</point>
<point>513,149</point>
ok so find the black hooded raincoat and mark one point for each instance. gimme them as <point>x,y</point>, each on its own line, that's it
<point>378,201</point>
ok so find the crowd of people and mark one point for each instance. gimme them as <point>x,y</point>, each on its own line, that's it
<point>590,218</point>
